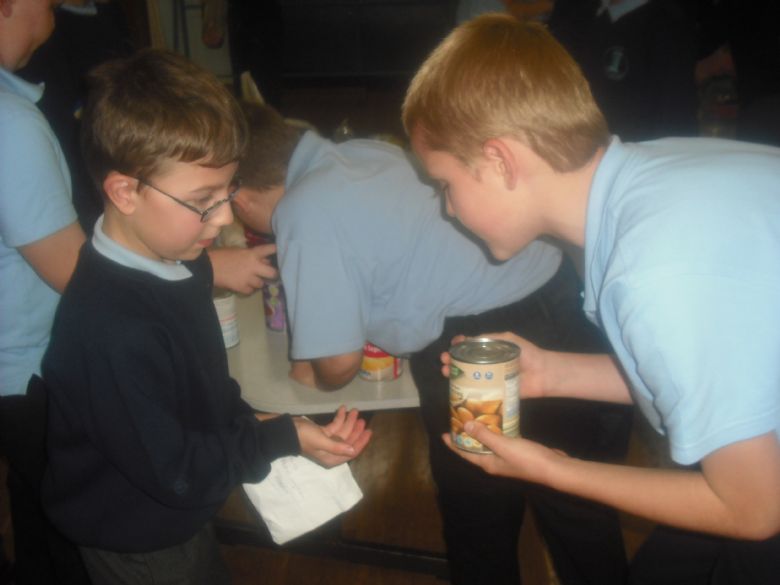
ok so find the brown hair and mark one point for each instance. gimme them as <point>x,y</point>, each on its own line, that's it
<point>156,106</point>
<point>271,144</point>
<point>497,76</point>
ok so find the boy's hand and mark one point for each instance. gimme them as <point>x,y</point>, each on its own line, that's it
<point>339,441</point>
<point>532,364</point>
<point>517,458</point>
<point>243,270</point>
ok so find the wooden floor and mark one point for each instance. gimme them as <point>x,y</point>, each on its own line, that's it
<point>398,511</point>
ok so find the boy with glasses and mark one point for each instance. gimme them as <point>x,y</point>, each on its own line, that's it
<point>148,434</point>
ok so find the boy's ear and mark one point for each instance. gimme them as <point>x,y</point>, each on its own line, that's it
<point>255,208</point>
<point>243,200</point>
<point>122,191</point>
<point>5,7</point>
<point>504,160</point>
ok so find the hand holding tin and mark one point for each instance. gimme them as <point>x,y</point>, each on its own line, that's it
<point>511,457</point>
<point>483,389</point>
<point>532,362</point>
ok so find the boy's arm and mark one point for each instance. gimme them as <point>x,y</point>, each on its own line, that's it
<point>327,373</point>
<point>54,257</point>
<point>586,376</point>
<point>335,371</point>
<point>735,495</point>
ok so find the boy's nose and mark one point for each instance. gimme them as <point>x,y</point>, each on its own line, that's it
<point>222,215</point>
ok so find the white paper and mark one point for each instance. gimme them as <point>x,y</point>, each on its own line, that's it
<point>298,495</point>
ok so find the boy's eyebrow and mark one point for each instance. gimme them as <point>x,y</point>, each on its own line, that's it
<point>209,188</point>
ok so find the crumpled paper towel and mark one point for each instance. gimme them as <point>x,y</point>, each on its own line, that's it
<point>298,495</point>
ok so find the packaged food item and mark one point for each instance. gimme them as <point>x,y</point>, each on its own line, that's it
<point>274,306</point>
<point>378,365</point>
<point>484,387</point>
<point>225,303</point>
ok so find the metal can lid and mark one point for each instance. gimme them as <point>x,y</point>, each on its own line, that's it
<point>483,350</point>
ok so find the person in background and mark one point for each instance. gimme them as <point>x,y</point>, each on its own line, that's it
<point>639,57</point>
<point>147,434</point>
<point>522,9</point>
<point>743,35</point>
<point>39,241</point>
<point>86,34</point>
<point>6,567</point>
<point>365,254</point>
<point>674,230</point>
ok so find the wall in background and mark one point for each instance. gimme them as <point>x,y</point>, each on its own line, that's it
<point>178,17</point>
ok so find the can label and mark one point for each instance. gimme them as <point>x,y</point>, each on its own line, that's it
<point>274,306</point>
<point>273,292</point>
<point>225,303</point>
<point>378,365</point>
<point>484,387</point>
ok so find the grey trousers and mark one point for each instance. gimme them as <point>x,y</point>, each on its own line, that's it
<point>195,562</point>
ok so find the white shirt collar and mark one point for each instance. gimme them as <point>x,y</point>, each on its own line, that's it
<point>121,255</point>
<point>17,85</point>
<point>88,9</point>
<point>619,10</point>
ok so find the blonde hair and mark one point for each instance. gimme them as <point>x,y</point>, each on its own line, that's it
<point>497,76</point>
<point>154,107</point>
<point>272,141</point>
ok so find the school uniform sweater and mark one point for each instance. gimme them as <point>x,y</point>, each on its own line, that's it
<point>147,432</point>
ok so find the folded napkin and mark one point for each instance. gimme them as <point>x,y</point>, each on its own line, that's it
<point>298,495</point>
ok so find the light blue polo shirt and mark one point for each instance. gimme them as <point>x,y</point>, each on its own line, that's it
<point>682,271</point>
<point>366,254</point>
<point>35,202</point>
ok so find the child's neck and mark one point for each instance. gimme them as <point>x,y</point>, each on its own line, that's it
<point>566,201</point>
<point>117,229</point>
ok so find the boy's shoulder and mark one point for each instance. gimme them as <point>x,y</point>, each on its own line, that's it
<point>105,295</point>
<point>111,316</point>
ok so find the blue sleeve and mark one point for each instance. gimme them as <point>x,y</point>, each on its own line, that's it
<point>35,197</point>
<point>705,348</point>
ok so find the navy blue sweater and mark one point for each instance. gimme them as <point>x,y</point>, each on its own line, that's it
<point>147,432</point>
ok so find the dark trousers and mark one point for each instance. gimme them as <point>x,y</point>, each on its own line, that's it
<point>676,557</point>
<point>482,514</point>
<point>195,562</point>
<point>42,555</point>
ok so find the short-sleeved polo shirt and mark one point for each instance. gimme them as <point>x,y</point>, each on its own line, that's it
<point>35,202</point>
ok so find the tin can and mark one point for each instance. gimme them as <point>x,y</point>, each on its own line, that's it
<point>273,291</point>
<point>225,304</point>
<point>378,365</point>
<point>484,387</point>
<point>273,306</point>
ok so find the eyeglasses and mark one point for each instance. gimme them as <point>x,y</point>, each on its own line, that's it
<point>204,214</point>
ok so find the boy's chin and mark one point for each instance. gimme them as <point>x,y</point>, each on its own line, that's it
<point>500,254</point>
<point>190,255</point>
